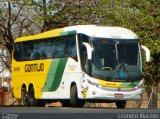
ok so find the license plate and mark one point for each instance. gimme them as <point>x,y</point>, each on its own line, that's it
<point>118,95</point>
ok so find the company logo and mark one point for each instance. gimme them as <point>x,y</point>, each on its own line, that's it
<point>34,67</point>
<point>118,89</point>
<point>110,84</point>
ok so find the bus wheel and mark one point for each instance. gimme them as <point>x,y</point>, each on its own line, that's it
<point>121,104</point>
<point>75,102</point>
<point>30,98</point>
<point>24,97</point>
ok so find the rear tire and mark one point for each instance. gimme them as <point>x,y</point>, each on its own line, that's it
<point>32,102</point>
<point>24,101</point>
<point>75,102</point>
<point>121,104</point>
<point>31,98</point>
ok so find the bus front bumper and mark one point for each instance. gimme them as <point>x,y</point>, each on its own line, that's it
<point>116,94</point>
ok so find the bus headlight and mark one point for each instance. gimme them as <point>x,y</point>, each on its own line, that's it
<point>94,83</point>
<point>90,81</point>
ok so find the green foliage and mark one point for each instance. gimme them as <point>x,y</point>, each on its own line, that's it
<point>140,16</point>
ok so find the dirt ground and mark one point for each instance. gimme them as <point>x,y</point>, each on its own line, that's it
<point>9,101</point>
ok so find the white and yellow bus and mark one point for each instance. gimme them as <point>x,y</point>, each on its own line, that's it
<point>77,64</point>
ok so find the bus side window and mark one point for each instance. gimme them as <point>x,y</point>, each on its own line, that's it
<point>85,64</point>
<point>22,52</point>
<point>17,51</point>
<point>60,45</point>
<point>71,47</point>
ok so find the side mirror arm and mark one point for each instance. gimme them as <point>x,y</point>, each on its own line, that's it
<point>89,50</point>
<point>147,51</point>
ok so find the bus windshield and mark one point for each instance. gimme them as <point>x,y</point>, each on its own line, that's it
<point>116,60</point>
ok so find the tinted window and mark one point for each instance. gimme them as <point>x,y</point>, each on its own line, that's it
<point>58,47</point>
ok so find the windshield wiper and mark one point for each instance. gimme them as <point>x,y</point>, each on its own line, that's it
<point>117,59</point>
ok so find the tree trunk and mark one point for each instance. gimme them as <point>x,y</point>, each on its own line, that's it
<point>148,90</point>
<point>154,97</point>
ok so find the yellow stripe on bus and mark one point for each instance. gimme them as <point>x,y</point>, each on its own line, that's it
<point>109,84</point>
<point>49,34</point>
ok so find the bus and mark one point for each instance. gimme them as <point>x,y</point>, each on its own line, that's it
<point>76,64</point>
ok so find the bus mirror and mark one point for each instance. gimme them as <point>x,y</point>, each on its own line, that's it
<point>147,51</point>
<point>89,50</point>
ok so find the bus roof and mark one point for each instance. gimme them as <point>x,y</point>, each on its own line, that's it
<point>90,30</point>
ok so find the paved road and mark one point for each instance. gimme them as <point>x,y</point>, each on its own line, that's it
<point>76,113</point>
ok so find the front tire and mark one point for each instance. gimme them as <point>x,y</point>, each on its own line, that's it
<point>121,104</point>
<point>75,102</point>
<point>66,103</point>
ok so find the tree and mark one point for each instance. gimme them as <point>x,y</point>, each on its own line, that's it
<point>15,22</point>
<point>141,16</point>
<point>30,17</point>
<point>148,28</point>
<point>67,12</point>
